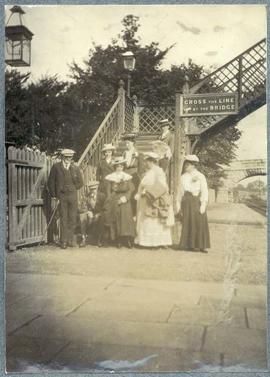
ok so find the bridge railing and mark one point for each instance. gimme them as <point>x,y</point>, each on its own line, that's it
<point>245,75</point>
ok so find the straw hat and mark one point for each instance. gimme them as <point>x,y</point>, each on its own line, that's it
<point>129,137</point>
<point>151,155</point>
<point>191,158</point>
<point>67,152</point>
<point>93,184</point>
<point>108,147</point>
<point>164,122</point>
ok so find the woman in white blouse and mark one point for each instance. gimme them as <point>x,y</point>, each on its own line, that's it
<point>193,202</point>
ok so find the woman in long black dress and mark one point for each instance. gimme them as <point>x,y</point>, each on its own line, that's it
<point>193,202</point>
<point>118,210</point>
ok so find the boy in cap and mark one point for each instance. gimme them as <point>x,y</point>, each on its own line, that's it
<point>64,180</point>
<point>91,215</point>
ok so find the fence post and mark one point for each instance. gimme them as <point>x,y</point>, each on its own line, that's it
<point>12,196</point>
<point>180,144</point>
<point>136,125</point>
<point>240,77</point>
<point>121,108</point>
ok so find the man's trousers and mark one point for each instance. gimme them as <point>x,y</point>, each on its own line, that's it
<point>68,210</point>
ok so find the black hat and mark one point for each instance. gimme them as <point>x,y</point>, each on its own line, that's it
<point>129,137</point>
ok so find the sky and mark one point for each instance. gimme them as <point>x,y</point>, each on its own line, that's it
<point>210,35</point>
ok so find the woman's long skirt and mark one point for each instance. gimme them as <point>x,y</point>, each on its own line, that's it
<point>119,218</point>
<point>195,230</point>
<point>151,231</point>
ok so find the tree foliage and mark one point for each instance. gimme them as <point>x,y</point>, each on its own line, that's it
<point>68,113</point>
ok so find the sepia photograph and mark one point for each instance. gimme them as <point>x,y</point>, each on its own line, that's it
<point>136,188</point>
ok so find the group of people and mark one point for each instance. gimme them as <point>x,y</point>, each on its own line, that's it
<point>130,202</point>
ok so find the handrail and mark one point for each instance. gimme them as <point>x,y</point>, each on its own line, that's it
<point>208,77</point>
<point>99,130</point>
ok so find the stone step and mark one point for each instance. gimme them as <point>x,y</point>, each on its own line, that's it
<point>139,147</point>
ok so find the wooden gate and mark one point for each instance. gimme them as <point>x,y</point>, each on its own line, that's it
<point>28,203</point>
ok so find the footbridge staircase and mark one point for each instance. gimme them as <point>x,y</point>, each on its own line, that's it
<point>244,75</point>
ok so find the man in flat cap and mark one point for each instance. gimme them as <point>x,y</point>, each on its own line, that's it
<point>64,180</point>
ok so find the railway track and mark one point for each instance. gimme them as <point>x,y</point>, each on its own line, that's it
<point>260,207</point>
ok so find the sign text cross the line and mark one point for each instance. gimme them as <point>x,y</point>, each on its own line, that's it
<point>208,104</point>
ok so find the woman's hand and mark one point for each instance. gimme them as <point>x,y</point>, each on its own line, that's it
<point>122,200</point>
<point>137,197</point>
<point>202,208</point>
<point>178,207</point>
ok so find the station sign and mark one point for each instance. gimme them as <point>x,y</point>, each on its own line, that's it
<point>208,104</point>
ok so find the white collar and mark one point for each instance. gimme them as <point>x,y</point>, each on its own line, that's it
<point>66,165</point>
<point>194,173</point>
<point>118,177</point>
<point>109,160</point>
<point>164,134</point>
<point>131,150</point>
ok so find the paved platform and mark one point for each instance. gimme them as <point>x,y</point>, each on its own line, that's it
<point>107,309</point>
<point>234,213</point>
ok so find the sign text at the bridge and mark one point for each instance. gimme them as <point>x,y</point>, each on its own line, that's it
<point>208,104</point>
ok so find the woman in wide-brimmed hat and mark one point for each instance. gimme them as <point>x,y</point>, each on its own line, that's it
<point>105,166</point>
<point>193,202</point>
<point>154,209</point>
<point>118,211</point>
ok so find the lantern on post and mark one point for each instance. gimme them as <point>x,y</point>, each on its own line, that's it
<point>129,64</point>
<point>18,40</point>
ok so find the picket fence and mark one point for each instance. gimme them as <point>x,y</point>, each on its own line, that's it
<point>28,202</point>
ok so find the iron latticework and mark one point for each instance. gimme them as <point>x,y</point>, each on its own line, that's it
<point>244,75</point>
<point>151,115</point>
<point>129,115</point>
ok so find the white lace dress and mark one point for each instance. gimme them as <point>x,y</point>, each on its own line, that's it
<point>151,231</point>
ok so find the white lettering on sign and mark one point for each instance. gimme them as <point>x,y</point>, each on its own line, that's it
<point>209,104</point>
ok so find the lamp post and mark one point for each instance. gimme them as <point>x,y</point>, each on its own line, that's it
<point>18,40</point>
<point>129,65</point>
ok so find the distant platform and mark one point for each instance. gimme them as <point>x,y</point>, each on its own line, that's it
<point>234,213</point>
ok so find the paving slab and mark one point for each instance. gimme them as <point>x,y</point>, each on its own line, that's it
<point>120,332</point>
<point>251,290</point>
<point>239,346</point>
<point>257,318</point>
<point>125,309</point>
<point>189,291</point>
<point>234,213</point>
<point>19,316</point>
<point>57,285</point>
<point>217,302</point>
<point>246,359</point>
<point>28,352</point>
<point>205,316</point>
<point>55,305</point>
<point>101,357</point>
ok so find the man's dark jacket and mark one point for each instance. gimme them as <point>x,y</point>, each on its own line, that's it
<point>56,181</point>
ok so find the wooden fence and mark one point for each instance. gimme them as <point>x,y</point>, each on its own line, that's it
<point>28,204</point>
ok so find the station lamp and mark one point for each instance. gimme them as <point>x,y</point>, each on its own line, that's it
<point>18,40</point>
